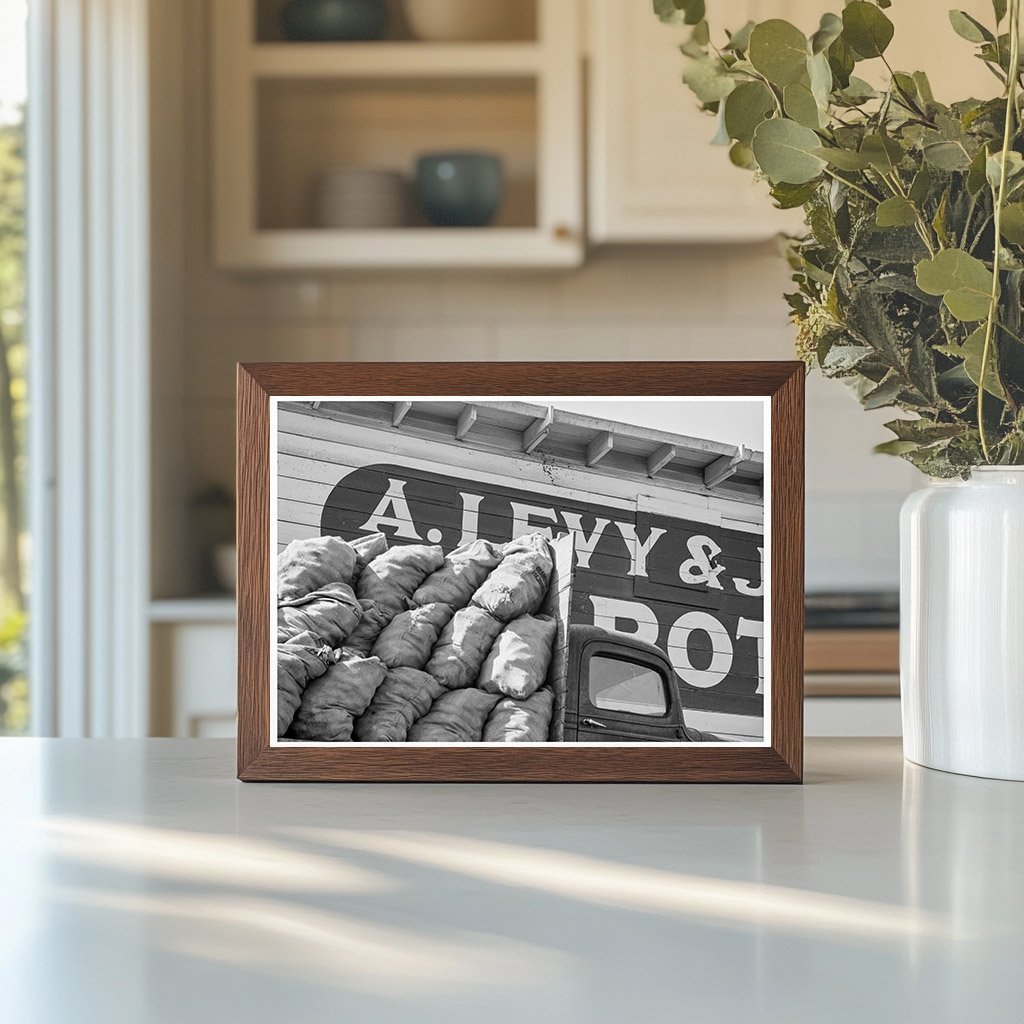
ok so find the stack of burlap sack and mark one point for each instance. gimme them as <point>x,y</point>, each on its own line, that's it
<point>379,644</point>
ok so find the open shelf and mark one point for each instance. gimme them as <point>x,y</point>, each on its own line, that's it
<point>520,17</point>
<point>393,59</point>
<point>287,113</point>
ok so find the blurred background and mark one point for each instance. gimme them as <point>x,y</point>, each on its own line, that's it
<point>248,180</point>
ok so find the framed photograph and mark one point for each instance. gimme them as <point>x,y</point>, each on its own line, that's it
<point>517,572</point>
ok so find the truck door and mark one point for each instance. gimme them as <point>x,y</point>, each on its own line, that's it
<point>625,696</point>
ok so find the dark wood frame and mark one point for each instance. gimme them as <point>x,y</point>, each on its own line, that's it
<point>781,761</point>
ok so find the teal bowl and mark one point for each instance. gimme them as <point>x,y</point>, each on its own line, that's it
<point>460,190</point>
<point>334,21</point>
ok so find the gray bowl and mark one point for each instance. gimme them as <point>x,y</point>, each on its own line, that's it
<point>334,20</point>
<point>461,190</point>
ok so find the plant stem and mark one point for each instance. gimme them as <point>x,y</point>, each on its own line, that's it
<point>993,309</point>
<point>856,188</point>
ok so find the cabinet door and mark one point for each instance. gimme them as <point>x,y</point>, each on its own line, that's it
<point>654,176</point>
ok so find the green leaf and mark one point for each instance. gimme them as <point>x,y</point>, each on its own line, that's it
<point>924,87</point>
<point>745,108</point>
<point>739,41</point>
<point>820,77</point>
<point>708,80</point>
<point>741,155</point>
<point>778,50</point>
<point>800,105</point>
<point>866,29</point>
<point>844,159</point>
<point>921,185</point>
<point>789,197</point>
<point>923,431</point>
<point>976,172</point>
<point>896,212</point>
<point>1012,225</point>
<point>963,281</point>
<point>968,28</point>
<point>841,60</point>
<point>883,153</point>
<point>947,156</point>
<point>785,152</point>
<point>994,168</point>
<point>885,394</point>
<point>858,91</point>
<point>829,30</point>
<point>675,12</point>
<point>971,352</point>
<point>895,447</point>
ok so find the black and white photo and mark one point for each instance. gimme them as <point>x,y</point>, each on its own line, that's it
<point>525,570</point>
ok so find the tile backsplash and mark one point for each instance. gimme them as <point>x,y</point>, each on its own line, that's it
<point>720,302</point>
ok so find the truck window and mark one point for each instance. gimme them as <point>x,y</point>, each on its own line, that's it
<point>618,685</point>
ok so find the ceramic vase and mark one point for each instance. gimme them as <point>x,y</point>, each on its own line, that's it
<point>962,624</point>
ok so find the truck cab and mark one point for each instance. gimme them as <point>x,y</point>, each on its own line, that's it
<point>619,689</point>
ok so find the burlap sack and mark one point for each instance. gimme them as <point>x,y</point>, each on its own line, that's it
<point>393,577</point>
<point>308,565</point>
<point>520,582</point>
<point>407,640</point>
<point>463,571</point>
<point>364,636</point>
<point>462,648</point>
<point>331,703</point>
<point>518,662</point>
<point>332,613</point>
<point>520,721</point>
<point>367,549</point>
<point>300,660</point>
<point>404,697</point>
<point>455,717</point>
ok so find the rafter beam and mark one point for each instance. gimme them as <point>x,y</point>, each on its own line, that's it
<point>465,422</point>
<point>659,459</point>
<point>599,448</point>
<point>722,469</point>
<point>537,431</point>
<point>400,411</point>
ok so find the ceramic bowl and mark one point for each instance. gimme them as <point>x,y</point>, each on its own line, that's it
<point>460,189</point>
<point>334,20</point>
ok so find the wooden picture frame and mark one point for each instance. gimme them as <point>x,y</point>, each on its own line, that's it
<point>778,758</point>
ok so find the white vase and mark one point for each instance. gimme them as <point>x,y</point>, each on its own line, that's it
<point>962,624</point>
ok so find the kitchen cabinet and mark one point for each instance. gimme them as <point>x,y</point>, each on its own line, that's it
<point>285,113</point>
<point>653,175</point>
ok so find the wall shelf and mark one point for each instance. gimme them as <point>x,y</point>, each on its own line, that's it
<point>392,60</point>
<point>285,114</point>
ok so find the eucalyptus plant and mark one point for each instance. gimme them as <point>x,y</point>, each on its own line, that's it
<point>910,278</point>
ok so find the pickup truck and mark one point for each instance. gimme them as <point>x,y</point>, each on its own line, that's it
<point>608,688</point>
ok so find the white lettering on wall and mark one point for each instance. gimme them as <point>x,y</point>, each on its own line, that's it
<point>744,587</point>
<point>610,611</point>
<point>470,517</point>
<point>523,513</point>
<point>721,649</point>
<point>754,628</point>
<point>701,568</point>
<point>395,503</point>
<point>638,551</point>
<point>584,545</point>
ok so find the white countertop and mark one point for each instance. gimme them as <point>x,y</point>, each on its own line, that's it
<point>143,885</point>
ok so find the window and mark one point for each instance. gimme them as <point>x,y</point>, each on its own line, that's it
<point>14,706</point>
<point>617,685</point>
